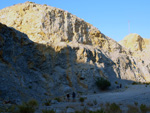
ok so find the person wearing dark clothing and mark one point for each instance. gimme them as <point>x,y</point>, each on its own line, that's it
<point>68,96</point>
<point>120,85</point>
<point>73,96</point>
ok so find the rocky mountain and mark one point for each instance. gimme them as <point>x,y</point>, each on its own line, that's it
<point>46,52</point>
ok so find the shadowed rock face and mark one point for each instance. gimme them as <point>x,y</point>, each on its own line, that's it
<point>47,52</point>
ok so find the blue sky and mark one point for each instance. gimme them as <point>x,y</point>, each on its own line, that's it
<point>109,16</point>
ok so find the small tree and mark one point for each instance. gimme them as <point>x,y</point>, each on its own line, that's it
<point>102,83</point>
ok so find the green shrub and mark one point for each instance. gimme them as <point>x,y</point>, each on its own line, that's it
<point>135,103</point>
<point>143,108</point>
<point>47,103</point>
<point>112,108</point>
<point>12,109</point>
<point>1,110</point>
<point>48,111</point>
<point>116,82</point>
<point>30,87</point>
<point>102,83</point>
<point>147,83</point>
<point>81,99</point>
<point>28,107</point>
<point>135,83</point>
<point>58,99</point>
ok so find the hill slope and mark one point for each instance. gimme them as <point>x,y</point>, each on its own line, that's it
<point>47,52</point>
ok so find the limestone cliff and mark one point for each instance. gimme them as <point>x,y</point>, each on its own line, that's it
<point>46,52</point>
<point>139,48</point>
<point>45,24</point>
<point>135,42</point>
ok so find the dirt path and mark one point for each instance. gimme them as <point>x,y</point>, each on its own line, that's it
<point>135,93</point>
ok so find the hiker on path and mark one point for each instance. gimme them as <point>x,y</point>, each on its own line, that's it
<point>68,97</point>
<point>73,96</point>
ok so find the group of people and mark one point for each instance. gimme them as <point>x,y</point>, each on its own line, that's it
<point>73,96</point>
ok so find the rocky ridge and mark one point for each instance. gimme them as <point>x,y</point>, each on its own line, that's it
<point>47,52</point>
<point>138,46</point>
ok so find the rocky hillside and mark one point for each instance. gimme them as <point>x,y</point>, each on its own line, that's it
<point>139,48</point>
<point>47,52</point>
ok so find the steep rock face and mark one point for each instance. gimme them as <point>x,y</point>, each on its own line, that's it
<point>45,24</point>
<point>49,52</point>
<point>139,48</point>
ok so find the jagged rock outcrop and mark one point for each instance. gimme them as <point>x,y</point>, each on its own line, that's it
<point>139,48</point>
<point>45,24</point>
<point>46,52</point>
<point>135,42</point>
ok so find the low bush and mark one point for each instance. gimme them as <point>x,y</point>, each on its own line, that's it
<point>98,111</point>
<point>132,109</point>
<point>135,103</point>
<point>143,108</point>
<point>135,83</point>
<point>28,107</point>
<point>48,111</point>
<point>102,83</point>
<point>81,99</point>
<point>115,108</point>
<point>47,103</point>
<point>116,82</point>
<point>95,102</point>
<point>58,99</point>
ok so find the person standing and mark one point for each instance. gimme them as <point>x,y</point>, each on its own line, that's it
<point>68,97</point>
<point>73,96</point>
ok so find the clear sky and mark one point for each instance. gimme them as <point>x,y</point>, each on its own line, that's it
<point>111,17</point>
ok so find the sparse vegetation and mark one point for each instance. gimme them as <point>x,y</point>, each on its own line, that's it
<point>102,83</point>
<point>48,111</point>
<point>28,107</point>
<point>116,82</point>
<point>139,83</point>
<point>95,102</point>
<point>90,104</point>
<point>85,110</point>
<point>81,99</point>
<point>135,109</point>
<point>47,103</point>
<point>58,99</point>
<point>98,111</point>
<point>135,83</point>
<point>135,103</point>
<point>30,87</point>
<point>115,108</point>
<point>45,4</point>
<point>143,108</point>
<point>132,109</point>
<point>81,93</point>
<point>112,108</point>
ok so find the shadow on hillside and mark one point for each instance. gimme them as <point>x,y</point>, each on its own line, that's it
<point>33,70</point>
